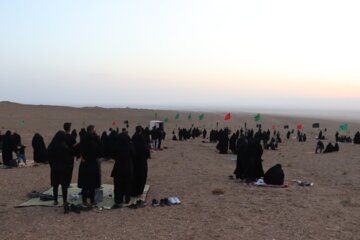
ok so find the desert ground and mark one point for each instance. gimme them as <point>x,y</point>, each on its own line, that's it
<point>190,170</point>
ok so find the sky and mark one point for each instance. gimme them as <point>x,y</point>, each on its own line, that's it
<point>189,53</point>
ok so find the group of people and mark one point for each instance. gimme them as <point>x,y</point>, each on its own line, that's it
<point>225,143</point>
<point>129,171</point>
<point>186,134</point>
<point>10,143</point>
<point>320,147</point>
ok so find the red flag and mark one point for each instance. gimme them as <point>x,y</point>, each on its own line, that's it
<point>114,123</point>
<point>273,126</point>
<point>299,126</point>
<point>227,117</point>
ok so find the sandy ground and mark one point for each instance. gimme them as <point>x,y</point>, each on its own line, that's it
<point>191,170</point>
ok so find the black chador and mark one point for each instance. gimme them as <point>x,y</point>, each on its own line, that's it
<point>319,147</point>
<point>253,163</point>
<point>7,149</point>
<point>275,175</point>
<point>89,170</point>
<point>357,138</point>
<point>39,148</point>
<point>58,154</point>
<point>232,143</point>
<point>223,144</point>
<point>242,155</point>
<point>70,140</point>
<point>123,169</point>
<point>142,153</point>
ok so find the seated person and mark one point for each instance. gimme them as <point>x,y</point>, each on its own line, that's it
<point>275,175</point>
<point>329,148</point>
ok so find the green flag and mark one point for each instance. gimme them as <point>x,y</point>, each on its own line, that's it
<point>189,116</point>
<point>166,120</point>
<point>257,117</point>
<point>156,115</point>
<point>201,116</point>
<point>344,127</point>
<point>22,122</point>
<point>177,116</point>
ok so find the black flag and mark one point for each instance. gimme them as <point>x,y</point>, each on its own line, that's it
<point>316,125</point>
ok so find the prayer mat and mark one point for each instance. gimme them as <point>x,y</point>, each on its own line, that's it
<point>75,198</point>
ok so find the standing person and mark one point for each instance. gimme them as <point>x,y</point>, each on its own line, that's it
<point>7,150</point>
<point>154,139</point>
<point>59,154</point>
<point>70,140</point>
<point>89,169</point>
<point>204,133</point>
<point>142,153</point>
<point>123,169</point>
<point>39,148</point>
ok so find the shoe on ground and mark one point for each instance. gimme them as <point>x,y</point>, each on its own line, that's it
<point>75,209</point>
<point>155,203</point>
<point>140,203</point>
<point>66,208</point>
<point>132,206</point>
<point>166,202</point>
<point>172,200</point>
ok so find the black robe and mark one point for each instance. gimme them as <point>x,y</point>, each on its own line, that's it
<point>7,149</point>
<point>123,169</point>
<point>89,169</point>
<point>242,155</point>
<point>39,148</point>
<point>58,154</point>
<point>71,141</point>
<point>275,175</point>
<point>142,153</point>
<point>253,163</point>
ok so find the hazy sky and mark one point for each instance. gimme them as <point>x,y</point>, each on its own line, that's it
<point>181,53</point>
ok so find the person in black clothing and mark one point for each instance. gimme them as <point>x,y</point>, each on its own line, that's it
<point>232,143</point>
<point>7,149</point>
<point>159,134</point>
<point>142,153</point>
<point>320,136</point>
<point>357,138</point>
<point>123,169</point>
<point>331,148</point>
<point>39,148</point>
<point>249,162</point>
<point>319,147</point>
<point>275,175</point>
<point>58,154</point>
<point>204,133</point>
<point>70,139</point>
<point>223,144</point>
<point>16,140</point>
<point>242,155</point>
<point>105,142</point>
<point>288,134</point>
<point>89,170</point>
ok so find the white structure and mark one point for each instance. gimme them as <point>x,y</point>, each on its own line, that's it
<point>156,123</point>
